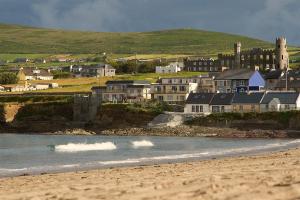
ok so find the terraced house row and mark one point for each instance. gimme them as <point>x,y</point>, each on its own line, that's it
<point>269,101</point>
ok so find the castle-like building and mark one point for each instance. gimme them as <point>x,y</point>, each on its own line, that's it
<point>277,58</point>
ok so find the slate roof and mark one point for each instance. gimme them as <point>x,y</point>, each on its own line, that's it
<point>236,74</point>
<point>222,99</point>
<point>199,98</point>
<point>245,98</point>
<point>284,97</point>
<point>129,82</point>
<point>291,84</point>
<point>274,74</point>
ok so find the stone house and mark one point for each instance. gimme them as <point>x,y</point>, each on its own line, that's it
<point>239,80</point>
<point>280,101</point>
<point>198,103</point>
<point>221,102</point>
<point>247,102</point>
<point>29,73</point>
<point>99,70</point>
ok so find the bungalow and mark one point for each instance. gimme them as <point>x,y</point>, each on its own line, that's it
<point>29,73</point>
<point>280,101</point>
<point>221,102</point>
<point>272,78</point>
<point>123,91</point>
<point>99,70</point>
<point>247,102</point>
<point>171,68</point>
<point>239,80</point>
<point>198,103</point>
<point>289,80</point>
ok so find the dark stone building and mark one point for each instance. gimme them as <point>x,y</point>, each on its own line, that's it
<point>276,58</point>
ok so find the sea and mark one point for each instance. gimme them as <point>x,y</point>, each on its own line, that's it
<point>27,154</point>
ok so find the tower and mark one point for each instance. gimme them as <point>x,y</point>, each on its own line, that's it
<point>282,56</point>
<point>237,54</point>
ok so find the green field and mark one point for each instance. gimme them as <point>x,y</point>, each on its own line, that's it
<point>21,39</point>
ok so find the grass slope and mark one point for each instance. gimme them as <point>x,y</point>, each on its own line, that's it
<point>22,39</point>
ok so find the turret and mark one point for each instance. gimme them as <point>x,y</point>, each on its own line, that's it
<point>282,56</point>
<point>237,54</point>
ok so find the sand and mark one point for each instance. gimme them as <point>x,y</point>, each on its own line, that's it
<point>266,176</point>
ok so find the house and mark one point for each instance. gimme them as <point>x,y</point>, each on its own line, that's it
<point>29,73</point>
<point>239,80</point>
<point>280,101</point>
<point>39,86</point>
<point>198,103</point>
<point>15,88</point>
<point>247,102</point>
<point>221,102</point>
<point>123,91</point>
<point>171,68</point>
<point>289,81</point>
<point>195,64</point>
<point>173,90</point>
<point>272,78</point>
<point>21,60</point>
<point>98,70</point>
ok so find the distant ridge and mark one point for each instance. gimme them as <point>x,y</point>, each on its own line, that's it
<point>23,39</point>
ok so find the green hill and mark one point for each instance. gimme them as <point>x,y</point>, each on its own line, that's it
<point>22,39</point>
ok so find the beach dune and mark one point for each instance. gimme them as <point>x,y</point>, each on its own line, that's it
<point>267,176</point>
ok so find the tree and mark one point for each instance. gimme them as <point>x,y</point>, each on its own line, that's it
<point>8,78</point>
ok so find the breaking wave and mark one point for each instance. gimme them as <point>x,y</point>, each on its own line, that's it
<point>72,147</point>
<point>142,143</point>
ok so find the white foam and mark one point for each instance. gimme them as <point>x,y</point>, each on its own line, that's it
<point>142,143</point>
<point>72,147</point>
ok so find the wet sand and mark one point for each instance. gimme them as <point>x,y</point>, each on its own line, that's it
<point>266,176</point>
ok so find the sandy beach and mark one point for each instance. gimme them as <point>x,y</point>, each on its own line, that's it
<point>266,176</point>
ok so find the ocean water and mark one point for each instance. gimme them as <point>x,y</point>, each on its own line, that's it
<point>34,154</point>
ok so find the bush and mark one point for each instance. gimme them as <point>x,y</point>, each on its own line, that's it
<point>61,75</point>
<point>8,78</point>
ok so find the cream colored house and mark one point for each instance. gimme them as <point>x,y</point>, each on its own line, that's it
<point>172,92</point>
<point>124,91</point>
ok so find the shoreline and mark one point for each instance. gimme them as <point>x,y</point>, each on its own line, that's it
<point>263,176</point>
<point>179,131</point>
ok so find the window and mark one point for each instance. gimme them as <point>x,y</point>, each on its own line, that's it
<point>197,109</point>
<point>170,98</point>
<point>160,98</point>
<point>201,108</point>
<point>241,108</point>
<point>253,108</point>
<point>222,108</point>
<point>193,109</point>
<point>174,88</point>
<point>182,88</point>
<point>286,107</point>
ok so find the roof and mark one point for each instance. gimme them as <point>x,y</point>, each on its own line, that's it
<point>290,84</point>
<point>248,98</point>
<point>284,97</point>
<point>199,98</point>
<point>222,99</point>
<point>28,71</point>
<point>128,82</point>
<point>235,74</point>
<point>274,74</point>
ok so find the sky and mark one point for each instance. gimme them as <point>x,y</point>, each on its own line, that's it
<point>263,19</point>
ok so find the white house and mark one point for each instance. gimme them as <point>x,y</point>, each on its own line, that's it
<point>280,101</point>
<point>198,103</point>
<point>171,68</point>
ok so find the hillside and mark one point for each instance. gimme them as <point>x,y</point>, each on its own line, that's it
<point>22,39</point>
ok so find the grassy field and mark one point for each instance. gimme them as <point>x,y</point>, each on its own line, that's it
<point>21,39</point>
<point>85,84</point>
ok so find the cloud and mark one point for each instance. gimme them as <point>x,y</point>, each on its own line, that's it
<point>85,15</point>
<point>277,17</point>
<point>265,19</point>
